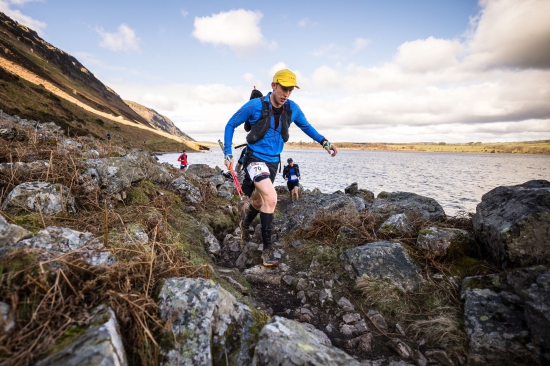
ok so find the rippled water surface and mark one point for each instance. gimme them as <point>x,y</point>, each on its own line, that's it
<point>457,181</point>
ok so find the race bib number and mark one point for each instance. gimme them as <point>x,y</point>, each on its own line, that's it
<point>293,178</point>
<point>256,170</point>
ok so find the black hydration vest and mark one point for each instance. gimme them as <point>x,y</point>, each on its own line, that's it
<point>258,130</point>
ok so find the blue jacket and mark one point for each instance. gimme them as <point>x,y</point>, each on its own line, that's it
<point>271,145</point>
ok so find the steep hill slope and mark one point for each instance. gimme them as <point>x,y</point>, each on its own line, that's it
<point>39,81</point>
<point>157,120</point>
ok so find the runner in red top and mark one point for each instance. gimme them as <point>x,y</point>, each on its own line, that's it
<point>183,160</point>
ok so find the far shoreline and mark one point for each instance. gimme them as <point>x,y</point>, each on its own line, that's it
<point>524,147</point>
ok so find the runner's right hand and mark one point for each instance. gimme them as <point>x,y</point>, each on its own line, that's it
<point>228,159</point>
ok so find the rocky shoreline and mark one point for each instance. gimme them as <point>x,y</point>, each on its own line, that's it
<point>109,258</point>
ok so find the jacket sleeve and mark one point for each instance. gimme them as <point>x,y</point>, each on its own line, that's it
<point>251,111</point>
<point>301,121</point>
<point>179,159</point>
<point>285,171</point>
<point>297,170</point>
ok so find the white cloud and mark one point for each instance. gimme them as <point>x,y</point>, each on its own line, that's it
<point>360,43</point>
<point>184,13</point>
<point>433,89</point>
<point>306,22</point>
<point>511,33</point>
<point>123,40</point>
<point>331,51</point>
<point>278,66</point>
<point>252,80</point>
<point>428,54</point>
<point>15,14</point>
<point>237,29</point>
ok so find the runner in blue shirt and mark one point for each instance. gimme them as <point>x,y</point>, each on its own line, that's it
<point>268,119</point>
<point>291,173</point>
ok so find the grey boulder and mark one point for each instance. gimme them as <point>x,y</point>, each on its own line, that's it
<point>101,344</point>
<point>186,189</point>
<point>207,323</point>
<point>507,317</point>
<point>11,234</point>
<point>411,204</point>
<point>386,260</point>
<point>59,240</point>
<point>286,342</point>
<point>513,223</point>
<point>397,225</point>
<point>48,198</point>
<point>441,242</point>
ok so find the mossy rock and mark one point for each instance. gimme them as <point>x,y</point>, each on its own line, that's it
<point>382,195</point>
<point>30,222</point>
<point>137,195</point>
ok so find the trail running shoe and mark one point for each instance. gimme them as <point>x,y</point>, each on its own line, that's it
<point>268,258</point>
<point>245,231</point>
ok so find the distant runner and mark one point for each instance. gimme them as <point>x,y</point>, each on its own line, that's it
<point>183,160</point>
<point>241,160</point>
<point>291,173</point>
<point>108,136</point>
<point>270,118</point>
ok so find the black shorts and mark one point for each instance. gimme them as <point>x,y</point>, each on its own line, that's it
<point>291,185</point>
<point>248,185</point>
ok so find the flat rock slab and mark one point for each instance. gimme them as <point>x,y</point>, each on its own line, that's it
<point>387,260</point>
<point>411,204</point>
<point>513,223</point>
<point>286,342</point>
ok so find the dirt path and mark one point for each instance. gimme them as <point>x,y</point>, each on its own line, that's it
<point>35,79</point>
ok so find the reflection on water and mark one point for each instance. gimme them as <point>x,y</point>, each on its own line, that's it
<point>457,181</point>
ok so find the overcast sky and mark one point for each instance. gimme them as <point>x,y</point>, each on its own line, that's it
<point>386,71</point>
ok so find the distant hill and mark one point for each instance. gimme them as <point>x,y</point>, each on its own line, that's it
<point>157,120</point>
<point>41,82</point>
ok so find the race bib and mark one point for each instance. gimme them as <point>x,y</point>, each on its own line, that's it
<point>256,170</point>
<point>293,177</point>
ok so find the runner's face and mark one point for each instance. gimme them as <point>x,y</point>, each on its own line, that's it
<point>280,94</point>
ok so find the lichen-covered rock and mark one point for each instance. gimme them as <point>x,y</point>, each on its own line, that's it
<point>285,342</point>
<point>59,240</point>
<point>202,170</point>
<point>411,204</point>
<point>116,174</point>
<point>513,223</point>
<point>154,172</point>
<point>302,213</point>
<point>396,225</point>
<point>187,189</point>
<point>207,323</point>
<point>11,234</point>
<point>48,198</point>
<point>441,242</point>
<point>212,244</point>
<point>38,166</point>
<point>69,144</point>
<point>13,134</point>
<point>386,260</point>
<point>101,344</point>
<point>507,317</point>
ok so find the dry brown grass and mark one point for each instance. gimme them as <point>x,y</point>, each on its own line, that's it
<point>48,302</point>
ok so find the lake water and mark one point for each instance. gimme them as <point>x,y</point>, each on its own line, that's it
<point>457,181</point>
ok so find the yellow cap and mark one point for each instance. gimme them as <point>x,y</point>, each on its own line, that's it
<point>286,78</point>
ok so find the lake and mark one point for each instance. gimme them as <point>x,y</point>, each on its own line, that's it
<point>457,181</point>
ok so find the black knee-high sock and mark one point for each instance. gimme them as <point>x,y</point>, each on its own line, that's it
<point>252,213</point>
<point>267,227</point>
